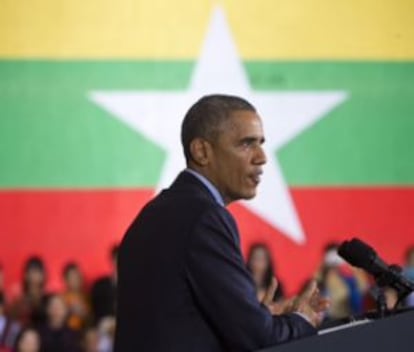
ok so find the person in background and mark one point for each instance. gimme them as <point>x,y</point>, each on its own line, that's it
<point>29,307</point>
<point>90,341</point>
<point>9,329</point>
<point>28,340</point>
<point>334,269</point>
<point>106,334</point>
<point>55,334</point>
<point>75,297</point>
<point>333,285</point>
<point>260,264</point>
<point>99,339</point>
<point>103,291</point>
<point>408,272</point>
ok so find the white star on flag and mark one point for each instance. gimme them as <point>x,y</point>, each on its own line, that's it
<point>158,115</point>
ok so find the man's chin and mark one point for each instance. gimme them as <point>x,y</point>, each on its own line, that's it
<point>249,195</point>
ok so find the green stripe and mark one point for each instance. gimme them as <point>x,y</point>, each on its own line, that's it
<point>51,135</point>
<point>366,141</point>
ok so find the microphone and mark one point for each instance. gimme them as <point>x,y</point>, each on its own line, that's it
<point>361,255</point>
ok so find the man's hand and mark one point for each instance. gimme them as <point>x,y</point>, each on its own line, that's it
<point>267,300</point>
<point>309,303</point>
<point>276,308</point>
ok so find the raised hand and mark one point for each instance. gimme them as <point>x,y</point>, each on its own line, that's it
<point>276,308</point>
<point>311,304</point>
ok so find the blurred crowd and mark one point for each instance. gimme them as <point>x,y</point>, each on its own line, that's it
<point>81,320</point>
<point>73,320</point>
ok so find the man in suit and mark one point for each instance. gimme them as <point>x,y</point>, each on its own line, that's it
<point>183,285</point>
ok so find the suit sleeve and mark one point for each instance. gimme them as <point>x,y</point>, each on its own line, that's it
<point>225,292</point>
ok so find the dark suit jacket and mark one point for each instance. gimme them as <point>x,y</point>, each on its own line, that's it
<point>183,285</point>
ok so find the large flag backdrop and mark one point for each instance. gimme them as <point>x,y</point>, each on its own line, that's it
<point>92,94</point>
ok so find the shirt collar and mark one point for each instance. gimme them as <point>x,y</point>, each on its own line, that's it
<point>213,190</point>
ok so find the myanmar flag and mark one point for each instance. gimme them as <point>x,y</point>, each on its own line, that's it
<point>92,94</point>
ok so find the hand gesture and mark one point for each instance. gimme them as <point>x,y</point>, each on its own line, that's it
<point>309,303</point>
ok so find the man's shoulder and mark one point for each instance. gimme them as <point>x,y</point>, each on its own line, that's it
<point>189,210</point>
<point>184,207</point>
<point>187,194</point>
<point>183,203</point>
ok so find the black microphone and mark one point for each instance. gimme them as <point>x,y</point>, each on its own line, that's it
<point>361,255</point>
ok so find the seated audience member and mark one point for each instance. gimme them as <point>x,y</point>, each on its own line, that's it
<point>333,286</point>
<point>100,339</point>
<point>260,264</point>
<point>75,297</point>
<point>103,291</point>
<point>356,280</point>
<point>9,329</point>
<point>90,341</point>
<point>28,340</point>
<point>55,334</point>
<point>106,334</point>
<point>332,283</point>
<point>409,273</point>
<point>29,307</point>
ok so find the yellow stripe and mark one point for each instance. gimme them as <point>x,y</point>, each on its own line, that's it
<point>165,29</point>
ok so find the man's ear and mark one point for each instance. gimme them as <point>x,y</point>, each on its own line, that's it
<point>200,151</point>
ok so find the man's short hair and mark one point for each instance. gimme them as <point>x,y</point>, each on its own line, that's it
<point>205,118</point>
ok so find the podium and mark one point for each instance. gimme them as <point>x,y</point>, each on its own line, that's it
<point>394,333</point>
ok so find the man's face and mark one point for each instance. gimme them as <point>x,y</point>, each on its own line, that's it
<point>237,156</point>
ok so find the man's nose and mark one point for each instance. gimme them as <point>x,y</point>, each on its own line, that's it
<point>260,157</point>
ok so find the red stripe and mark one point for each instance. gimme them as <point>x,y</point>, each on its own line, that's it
<point>64,225</point>
<point>383,217</point>
<point>82,226</point>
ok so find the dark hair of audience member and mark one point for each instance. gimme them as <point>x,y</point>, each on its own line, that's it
<point>34,265</point>
<point>258,254</point>
<point>268,273</point>
<point>68,268</point>
<point>29,306</point>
